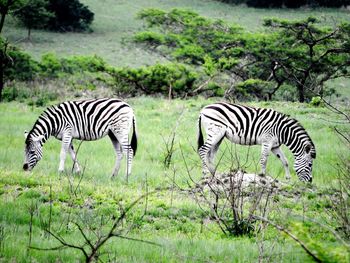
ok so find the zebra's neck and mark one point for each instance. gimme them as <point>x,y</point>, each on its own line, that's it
<point>294,136</point>
<point>43,126</point>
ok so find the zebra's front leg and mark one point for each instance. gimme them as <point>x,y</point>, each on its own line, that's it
<point>66,141</point>
<point>265,151</point>
<point>76,165</point>
<point>278,152</point>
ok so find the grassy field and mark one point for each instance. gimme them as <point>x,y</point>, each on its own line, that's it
<point>172,219</point>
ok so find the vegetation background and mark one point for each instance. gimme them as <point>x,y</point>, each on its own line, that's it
<point>41,202</point>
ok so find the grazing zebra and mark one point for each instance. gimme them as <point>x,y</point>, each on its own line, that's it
<point>251,126</point>
<point>86,120</point>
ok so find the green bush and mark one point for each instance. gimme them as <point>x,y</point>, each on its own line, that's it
<point>253,88</point>
<point>83,63</point>
<point>316,101</point>
<point>50,65</point>
<point>13,92</point>
<point>156,79</point>
<point>21,66</point>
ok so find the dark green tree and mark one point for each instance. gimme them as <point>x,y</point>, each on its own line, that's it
<point>70,15</point>
<point>302,54</point>
<point>34,14</point>
<point>6,6</point>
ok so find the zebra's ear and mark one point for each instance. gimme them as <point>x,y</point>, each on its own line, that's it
<point>25,134</point>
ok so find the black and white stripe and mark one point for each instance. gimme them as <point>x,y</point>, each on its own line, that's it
<point>86,120</point>
<point>250,126</point>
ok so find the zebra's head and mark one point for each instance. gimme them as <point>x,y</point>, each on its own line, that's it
<point>303,162</point>
<point>33,150</point>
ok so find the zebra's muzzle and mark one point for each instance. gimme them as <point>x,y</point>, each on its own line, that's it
<point>26,167</point>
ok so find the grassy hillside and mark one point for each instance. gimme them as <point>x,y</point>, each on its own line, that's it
<point>172,219</point>
<point>115,22</point>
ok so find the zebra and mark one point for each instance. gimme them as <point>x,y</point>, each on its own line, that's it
<point>86,120</point>
<point>255,126</point>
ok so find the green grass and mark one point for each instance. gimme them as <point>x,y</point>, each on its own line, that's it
<point>115,22</point>
<point>156,119</point>
<point>172,219</point>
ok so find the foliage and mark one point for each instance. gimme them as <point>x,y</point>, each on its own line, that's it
<point>288,3</point>
<point>7,6</point>
<point>192,36</point>
<point>321,250</point>
<point>252,88</point>
<point>22,66</point>
<point>34,14</point>
<point>70,15</point>
<point>303,54</point>
<point>174,79</point>
<point>316,101</point>
<point>169,79</point>
<point>15,64</point>
<point>300,54</point>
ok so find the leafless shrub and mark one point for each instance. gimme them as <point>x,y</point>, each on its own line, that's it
<point>340,210</point>
<point>95,227</point>
<point>170,143</point>
<point>231,199</point>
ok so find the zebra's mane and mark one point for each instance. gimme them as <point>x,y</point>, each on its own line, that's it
<point>34,130</point>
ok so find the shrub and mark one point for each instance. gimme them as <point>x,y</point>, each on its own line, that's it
<point>156,79</point>
<point>316,101</point>
<point>50,65</point>
<point>83,63</point>
<point>253,88</point>
<point>21,66</point>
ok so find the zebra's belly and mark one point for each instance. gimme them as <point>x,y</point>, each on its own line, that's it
<point>240,139</point>
<point>83,135</point>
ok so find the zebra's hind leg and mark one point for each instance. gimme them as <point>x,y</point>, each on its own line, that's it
<point>213,151</point>
<point>123,140</point>
<point>278,152</point>
<point>207,151</point>
<point>119,154</point>
<point>76,166</point>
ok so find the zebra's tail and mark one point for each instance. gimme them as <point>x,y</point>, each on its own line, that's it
<point>200,134</point>
<point>133,142</point>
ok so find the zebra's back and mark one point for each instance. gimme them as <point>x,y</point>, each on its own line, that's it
<point>88,119</point>
<point>244,124</point>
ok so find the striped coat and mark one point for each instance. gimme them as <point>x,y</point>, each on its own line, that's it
<point>250,126</point>
<point>86,120</point>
